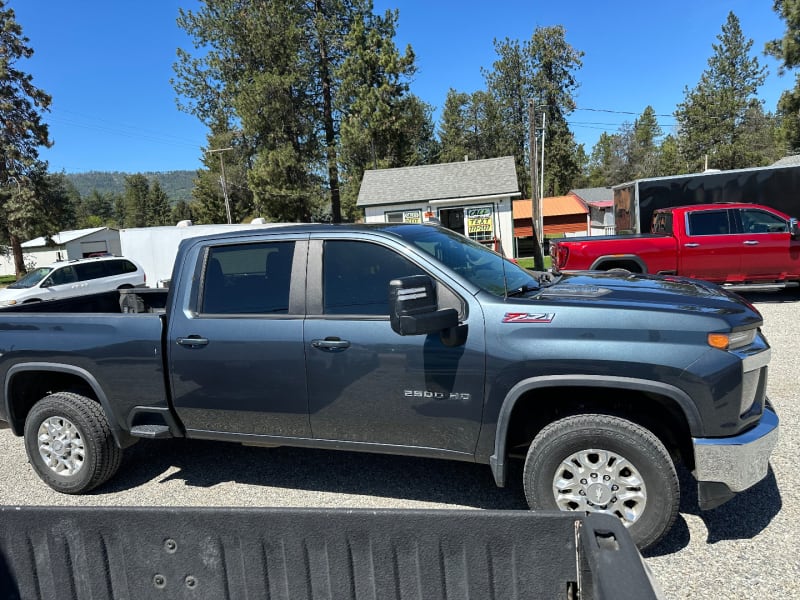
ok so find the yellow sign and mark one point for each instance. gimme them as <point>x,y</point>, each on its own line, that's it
<point>412,216</point>
<point>480,221</point>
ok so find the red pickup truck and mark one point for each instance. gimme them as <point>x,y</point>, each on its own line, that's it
<point>745,246</point>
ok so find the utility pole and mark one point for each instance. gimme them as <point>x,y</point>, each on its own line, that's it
<point>222,181</point>
<point>536,201</point>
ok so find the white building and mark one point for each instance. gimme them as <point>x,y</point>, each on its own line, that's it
<point>65,245</point>
<point>470,197</point>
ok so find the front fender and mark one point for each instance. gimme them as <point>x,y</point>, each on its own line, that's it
<point>498,460</point>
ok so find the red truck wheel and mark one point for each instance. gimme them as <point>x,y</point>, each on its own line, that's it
<point>599,463</point>
<point>69,443</point>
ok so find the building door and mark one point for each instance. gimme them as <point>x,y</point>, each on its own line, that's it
<point>453,218</point>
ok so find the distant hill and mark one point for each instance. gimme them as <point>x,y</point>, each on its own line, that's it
<point>177,184</point>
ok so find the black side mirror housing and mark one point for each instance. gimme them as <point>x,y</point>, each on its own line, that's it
<point>413,305</point>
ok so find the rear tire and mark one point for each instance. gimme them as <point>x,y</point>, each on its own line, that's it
<point>605,464</point>
<point>69,443</point>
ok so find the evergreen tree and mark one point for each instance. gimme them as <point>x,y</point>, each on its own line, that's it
<point>382,126</point>
<point>226,147</point>
<point>21,134</point>
<point>456,133</point>
<point>541,69</point>
<point>670,161</point>
<point>96,210</point>
<point>645,139</point>
<point>159,211</point>
<point>135,201</point>
<point>289,73</point>
<point>182,211</point>
<point>713,115</point>
<point>787,51</point>
<point>555,62</point>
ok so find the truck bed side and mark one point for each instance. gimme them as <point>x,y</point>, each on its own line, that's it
<point>116,359</point>
<point>647,253</point>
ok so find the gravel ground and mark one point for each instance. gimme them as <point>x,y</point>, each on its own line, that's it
<point>745,549</point>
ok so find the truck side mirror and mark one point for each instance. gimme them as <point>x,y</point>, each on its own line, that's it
<point>794,228</point>
<point>413,306</point>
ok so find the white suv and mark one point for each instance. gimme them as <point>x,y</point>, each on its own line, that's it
<point>74,278</point>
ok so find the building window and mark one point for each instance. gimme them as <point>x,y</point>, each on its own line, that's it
<point>404,216</point>
<point>480,223</point>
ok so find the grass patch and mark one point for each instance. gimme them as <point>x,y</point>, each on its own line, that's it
<point>6,279</point>
<point>527,263</point>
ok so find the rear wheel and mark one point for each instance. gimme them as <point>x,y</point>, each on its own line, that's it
<point>69,443</point>
<point>604,464</point>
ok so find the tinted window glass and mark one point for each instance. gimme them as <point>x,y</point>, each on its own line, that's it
<point>759,221</point>
<point>356,277</point>
<point>62,276</point>
<point>248,279</point>
<point>91,270</point>
<point>709,222</point>
<point>114,267</point>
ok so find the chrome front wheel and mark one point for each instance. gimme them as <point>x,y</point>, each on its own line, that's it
<point>604,464</point>
<point>600,481</point>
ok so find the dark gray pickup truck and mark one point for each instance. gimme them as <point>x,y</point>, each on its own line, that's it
<point>405,339</point>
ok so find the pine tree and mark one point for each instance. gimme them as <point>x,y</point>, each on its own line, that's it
<point>712,117</point>
<point>787,51</point>
<point>645,139</point>
<point>21,135</point>
<point>541,69</point>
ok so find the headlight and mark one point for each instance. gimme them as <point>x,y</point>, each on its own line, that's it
<point>733,340</point>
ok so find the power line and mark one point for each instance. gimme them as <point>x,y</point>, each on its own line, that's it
<point>619,112</point>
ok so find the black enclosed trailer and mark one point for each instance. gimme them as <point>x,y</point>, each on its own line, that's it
<point>775,186</point>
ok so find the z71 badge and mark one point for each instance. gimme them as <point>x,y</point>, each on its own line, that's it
<point>514,317</point>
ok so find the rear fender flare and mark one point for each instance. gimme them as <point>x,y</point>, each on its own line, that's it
<point>498,460</point>
<point>617,258</point>
<point>120,436</point>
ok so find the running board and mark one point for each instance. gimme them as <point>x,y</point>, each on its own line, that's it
<point>155,432</point>
<point>760,287</point>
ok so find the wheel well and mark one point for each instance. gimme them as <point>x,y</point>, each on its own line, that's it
<point>627,264</point>
<point>540,407</point>
<point>28,387</point>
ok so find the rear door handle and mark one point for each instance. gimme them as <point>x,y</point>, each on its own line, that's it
<point>751,243</point>
<point>691,245</point>
<point>331,344</point>
<point>193,341</point>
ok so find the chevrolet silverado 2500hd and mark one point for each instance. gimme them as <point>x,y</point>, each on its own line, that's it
<point>405,339</point>
<point>742,246</point>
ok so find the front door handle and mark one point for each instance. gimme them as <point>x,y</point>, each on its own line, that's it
<point>691,245</point>
<point>193,341</point>
<point>751,243</point>
<point>331,344</point>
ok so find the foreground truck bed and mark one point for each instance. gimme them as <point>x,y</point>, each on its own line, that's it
<point>135,553</point>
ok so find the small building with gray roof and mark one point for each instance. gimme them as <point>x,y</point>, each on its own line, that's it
<point>472,197</point>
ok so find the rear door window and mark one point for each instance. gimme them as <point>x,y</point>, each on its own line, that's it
<point>91,270</point>
<point>247,279</point>
<point>709,222</point>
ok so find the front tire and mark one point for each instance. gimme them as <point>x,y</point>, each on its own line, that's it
<point>599,463</point>
<point>69,443</point>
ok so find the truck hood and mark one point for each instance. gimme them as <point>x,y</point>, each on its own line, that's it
<point>668,293</point>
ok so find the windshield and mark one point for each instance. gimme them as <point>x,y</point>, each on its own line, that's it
<point>473,261</point>
<point>31,279</point>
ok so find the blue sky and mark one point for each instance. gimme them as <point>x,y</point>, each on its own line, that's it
<point>108,65</point>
